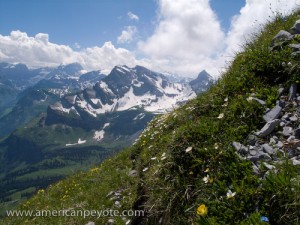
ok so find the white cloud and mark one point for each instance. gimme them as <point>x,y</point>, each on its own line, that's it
<point>37,51</point>
<point>187,38</point>
<point>77,46</point>
<point>187,33</point>
<point>133,16</point>
<point>252,16</point>
<point>127,35</point>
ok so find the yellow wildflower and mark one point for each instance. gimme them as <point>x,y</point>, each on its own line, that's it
<point>202,210</point>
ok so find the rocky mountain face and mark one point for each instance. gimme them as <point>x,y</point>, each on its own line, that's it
<point>43,87</point>
<point>89,117</point>
<point>202,82</point>
<point>123,89</point>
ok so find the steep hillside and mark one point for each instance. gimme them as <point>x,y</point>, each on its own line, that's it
<point>230,156</point>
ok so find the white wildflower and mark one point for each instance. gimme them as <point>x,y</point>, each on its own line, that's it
<point>221,116</point>
<point>206,179</point>
<point>230,194</point>
<point>188,149</point>
<point>145,169</point>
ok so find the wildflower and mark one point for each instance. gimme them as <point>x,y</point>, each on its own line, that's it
<point>249,99</point>
<point>188,149</point>
<point>230,194</point>
<point>202,210</point>
<point>225,104</point>
<point>264,219</point>
<point>226,99</point>
<point>216,146</point>
<point>206,179</point>
<point>41,191</point>
<point>221,116</point>
<point>153,158</point>
<point>145,169</point>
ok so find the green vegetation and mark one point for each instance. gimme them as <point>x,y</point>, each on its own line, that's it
<point>187,170</point>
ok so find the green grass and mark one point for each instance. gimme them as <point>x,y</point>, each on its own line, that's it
<point>169,185</point>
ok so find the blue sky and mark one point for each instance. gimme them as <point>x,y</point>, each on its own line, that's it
<point>178,36</point>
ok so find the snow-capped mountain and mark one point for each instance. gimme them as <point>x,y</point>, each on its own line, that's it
<point>27,92</point>
<point>123,89</point>
<point>202,82</point>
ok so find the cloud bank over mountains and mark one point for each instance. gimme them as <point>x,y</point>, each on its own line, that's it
<point>187,38</point>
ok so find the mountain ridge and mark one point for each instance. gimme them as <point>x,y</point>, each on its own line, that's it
<point>184,169</point>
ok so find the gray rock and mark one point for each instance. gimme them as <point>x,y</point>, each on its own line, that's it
<point>268,149</point>
<point>281,103</point>
<point>293,118</point>
<point>272,141</point>
<point>296,54</point>
<point>111,221</point>
<point>259,156</point>
<point>296,28</point>
<point>268,128</point>
<point>287,131</point>
<point>275,138</point>
<point>282,124</point>
<point>296,162</point>
<point>297,133</point>
<point>280,37</point>
<point>270,167</point>
<point>240,148</point>
<point>291,139</point>
<point>251,139</point>
<point>117,204</point>
<point>280,144</point>
<point>295,47</point>
<point>253,152</point>
<point>132,173</point>
<point>90,223</point>
<point>259,101</point>
<point>292,91</point>
<point>255,168</point>
<point>272,114</point>
<point>280,91</point>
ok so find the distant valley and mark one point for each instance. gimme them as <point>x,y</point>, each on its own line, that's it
<point>61,120</point>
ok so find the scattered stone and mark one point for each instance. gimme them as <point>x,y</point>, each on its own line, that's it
<point>296,28</point>
<point>280,91</point>
<point>296,47</point>
<point>282,124</point>
<point>240,148</point>
<point>292,91</point>
<point>281,36</point>
<point>268,128</point>
<point>259,101</point>
<point>268,149</point>
<point>279,144</point>
<point>132,173</point>
<point>287,131</point>
<point>252,139</point>
<point>273,114</point>
<point>111,221</point>
<point>268,166</point>
<point>253,152</point>
<point>255,169</point>
<point>291,139</point>
<point>90,223</point>
<point>117,204</point>
<point>297,133</point>
<point>293,118</point>
<point>296,162</point>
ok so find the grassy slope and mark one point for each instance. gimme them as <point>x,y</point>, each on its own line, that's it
<point>169,184</point>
